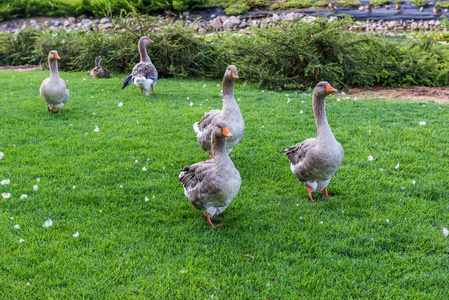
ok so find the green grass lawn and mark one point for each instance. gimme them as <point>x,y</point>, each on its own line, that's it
<point>139,237</point>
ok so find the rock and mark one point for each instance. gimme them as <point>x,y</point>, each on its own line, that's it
<point>216,23</point>
<point>67,23</point>
<point>289,17</point>
<point>57,23</point>
<point>361,8</point>
<point>186,14</point>
<point>104,21</point>
<point>105,26</point>
<point>276,17</point>
<point>33,22</point>
<point>391,25</point>
<point>421,8</point>
<point>243,24</point>
<point>255,23</point>
<point>71,19</point>
<point>86,21</point>
<point>223,18</point>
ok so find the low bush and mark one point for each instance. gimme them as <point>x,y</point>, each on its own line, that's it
<point>320,4</point>
<point>296,4</point>
<point>235,7</point>
<point>346,3</point>
<point>379,2</point>
<point>295,55</point>
<point>419,2</point>
<point>442,4</point>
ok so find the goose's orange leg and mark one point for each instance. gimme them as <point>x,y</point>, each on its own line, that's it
<point>210,222</point>
<point>309,190</point>
<point>152,87</point>
<point>59,110</point>
<point>326,195</point>
<point>211,156</point>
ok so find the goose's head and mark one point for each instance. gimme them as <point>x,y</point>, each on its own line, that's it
<point>53,55</point>
<point>145,40</point>
<point>231,72</point>
<point>323,88</point>
<point>221,130</point>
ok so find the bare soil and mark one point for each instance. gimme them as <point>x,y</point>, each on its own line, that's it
<point>419,93</point>
<point>21,68</point>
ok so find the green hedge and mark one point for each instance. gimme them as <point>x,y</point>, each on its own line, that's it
<point>53,8</point>
<point>295,55</point>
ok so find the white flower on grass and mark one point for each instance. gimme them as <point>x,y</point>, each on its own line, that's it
<point>397,166</point>
<point>238,99</point>
<point>218,84</point>
<point>96,129</point>
<point>422,123</point>
<point>321,222</point>
<point>35,187</point>
<point>23,196</point>
<point>191,104</point>
<point>84,79</point>
<point>146,199</point>
<point>188,98</point>
<point>300,218</point>
<point>338,99</point>
<point>144,169</point>
<point>6,181</point>
<point>38,179</point>
<point>263,126</point>
<point>300,111</point>
<point>2,155</point>
<point>183,271</point>
<point>74,187</point>
<point>137,121</point>
<point>120,104</point>
<point>387,220</point>
<point>343,93</point>
<point>355,99</point>
<point>21,240</point>
<point>445,231</point>
<point>413,182</point>
<point>76,234</point>
<point>204,85</point>
<point>370,158</point>
<point>94,114</point>
<point>48,223</point>
<point>17,226</point>
<point>6,195</point>
<point>288,100</point>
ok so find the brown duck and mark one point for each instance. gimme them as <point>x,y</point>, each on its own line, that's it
<point>99,71</point>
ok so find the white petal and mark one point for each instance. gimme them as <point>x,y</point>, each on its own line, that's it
<point>204,85</point>
<point>191,104</point>
<point>370,158</point>
<point>74,187</point>
<point>96,129</point>
<point>387,220</point>
<point>188,98</point>
<point>183,271</point>
<point>6,195</point>
<point>338,100</point>
<point>136,161</point>
<point>413,182</point>
<point>144,169</point>
<point>76,234</point>
<point>38,179</point>
<point>301,112</point>
<point>445,231</point>
<point>6,181</point>
<point>23,196</point>
<point>397,166</point>
<point>48,223</point>
<point>146,199</point>
<point>21,240</point>
<point>2,155</point>
<point>422,123</point>
<point>120,104</point>
<point>17,226</point>
<point>121,186</point>
<point>35,187</point>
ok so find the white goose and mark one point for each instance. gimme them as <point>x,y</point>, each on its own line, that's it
<point>54,89</point>
<point>314,161</point>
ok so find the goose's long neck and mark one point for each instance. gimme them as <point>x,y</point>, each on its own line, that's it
<point>53,65</point>
<point>319,111</point>
<point>228,94</point>
<point>219,149</point>
<point>143,53</point>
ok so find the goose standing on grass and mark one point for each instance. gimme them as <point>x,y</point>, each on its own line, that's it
<point>314,161</point>
<point>144,74</point>
<point>230,114</point>
<point>54,89</point>
<point>99,71</point>
<point>211,185</point>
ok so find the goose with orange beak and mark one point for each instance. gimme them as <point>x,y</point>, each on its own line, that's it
<point>54,89</point>
<point>315,160</point>
<point>144,74</point>
<point>229,114</point>
<point>211,185</point>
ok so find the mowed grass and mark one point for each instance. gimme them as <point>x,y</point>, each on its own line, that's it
<point>380,237</point>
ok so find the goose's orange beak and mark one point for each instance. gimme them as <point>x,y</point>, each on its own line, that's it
<point>330,89</point>
<point>57,56</point>
<point>234,74</point>
<point>151,41</point>
<point>226,132</point>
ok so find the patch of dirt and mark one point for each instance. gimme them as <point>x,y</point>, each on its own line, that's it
<point>21,68</point>
<point>437,94</point>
